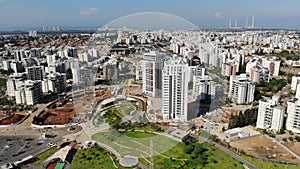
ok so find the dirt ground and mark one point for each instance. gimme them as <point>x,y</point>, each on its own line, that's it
<point>102,94</point>
<point>264,147</point>
<point>70,110</point>
<point>294,147</point>
<point>14,118</point>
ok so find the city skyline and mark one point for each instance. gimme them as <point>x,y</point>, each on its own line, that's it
<point>18,15</point>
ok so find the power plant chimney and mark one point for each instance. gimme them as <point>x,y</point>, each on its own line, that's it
<point>252,26</point>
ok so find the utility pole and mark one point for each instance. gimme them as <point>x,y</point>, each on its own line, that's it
<point>151,155</point>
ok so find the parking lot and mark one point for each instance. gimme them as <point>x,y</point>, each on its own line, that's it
<point>17,147</point>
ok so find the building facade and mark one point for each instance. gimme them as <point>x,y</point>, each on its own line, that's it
<point>241,89</point>
<point>152,66</point>
<point>293,115</point>
<point>175,89</point>
<point>270,115</point>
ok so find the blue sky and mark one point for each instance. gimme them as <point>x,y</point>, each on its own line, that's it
<point>203,13</point>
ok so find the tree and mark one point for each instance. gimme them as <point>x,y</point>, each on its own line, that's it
<point>249,117</point>
<point>297,138</point>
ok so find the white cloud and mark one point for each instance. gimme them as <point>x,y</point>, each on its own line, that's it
<point>218,14</point>
<point>87,11</point>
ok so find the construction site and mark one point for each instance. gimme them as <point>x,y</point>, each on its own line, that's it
<point>265,148</point>
<point>67,110</point>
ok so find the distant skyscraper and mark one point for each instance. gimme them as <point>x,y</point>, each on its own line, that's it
<point>32,33</point>
<point>175,89</point>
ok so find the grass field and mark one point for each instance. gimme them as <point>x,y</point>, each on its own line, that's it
<point>135,143</point>
<point>43,156</point>
<point>94,158</point>
<point>138,134</point>
<point>180,159</point>
<point>262,164</point>
<point>174,156</point>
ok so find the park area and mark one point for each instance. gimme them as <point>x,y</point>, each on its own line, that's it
<point>115,114</point>
<point>167,153</point>
<point>262,146</point>
<point>95,158</point>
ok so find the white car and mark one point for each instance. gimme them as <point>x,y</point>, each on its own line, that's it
<point>51,144</point>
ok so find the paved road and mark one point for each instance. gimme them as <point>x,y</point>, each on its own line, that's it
<point>229,152</point>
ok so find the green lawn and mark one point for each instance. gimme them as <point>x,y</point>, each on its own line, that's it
<point>43,156</point>
<point>131,145</point>
<point>168,153</point>
<point>262,164</point>
<point>138,134</point>
<point>94,158</point>
<point>216,159</point>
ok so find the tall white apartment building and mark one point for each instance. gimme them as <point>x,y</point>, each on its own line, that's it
<point>209,54</point>
<point>54,82</point>
<point>229,69</point>
<point>138,71</point>
<point>51,59</point>
<point>84,57</point>
<point>295,81</point>
<point>293,115</point>
<point>29,93</point>
<point>35,72</point>
<point>93,52</point>
<point>35,52</point>
<point>152,66</point>
<point>272,64</point>
<point>197,71</point>
<point>82,75</point>
<point>175,89</point>
<point>14,82</point>
<point>259,74</point>
<point>241,89</point>
<point>16,66</point>
<point>19,55</point>
<point>251,64</point>
<point>6,64</point>
<point>270,115</point>
<point>204,87</point>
